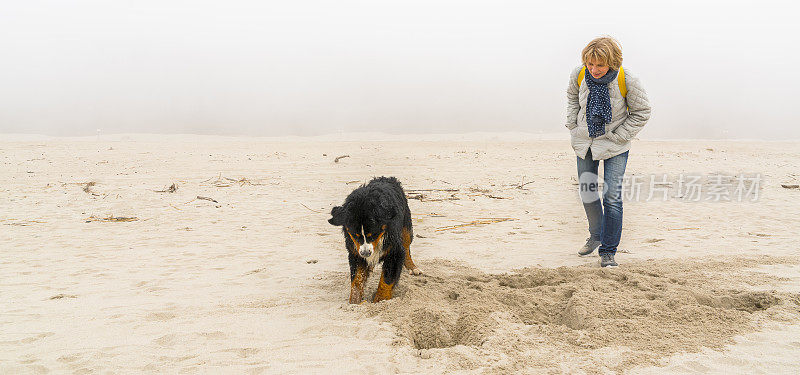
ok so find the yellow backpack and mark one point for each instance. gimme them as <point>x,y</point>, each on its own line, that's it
<point>620,80</point>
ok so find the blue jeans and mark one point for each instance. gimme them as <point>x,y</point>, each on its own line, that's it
<point>605,220</point>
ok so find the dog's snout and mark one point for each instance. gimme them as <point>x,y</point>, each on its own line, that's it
<point>366,250</point>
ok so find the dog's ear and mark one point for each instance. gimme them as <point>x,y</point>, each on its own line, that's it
<point>337,216</point>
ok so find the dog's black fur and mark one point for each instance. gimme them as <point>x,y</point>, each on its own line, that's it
<point>379,208</point>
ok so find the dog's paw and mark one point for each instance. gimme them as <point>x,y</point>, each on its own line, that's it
<point>415,271</point>
<point>355,300</point>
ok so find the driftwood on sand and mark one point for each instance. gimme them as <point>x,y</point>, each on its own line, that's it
<point>111,218</point>
<point>452,196</point>
<point>310,209</point>
<point>479,221</point>
<point>87,186</point>
<point>171,189</point>
<point>221,181</point>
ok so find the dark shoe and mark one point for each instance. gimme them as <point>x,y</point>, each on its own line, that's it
<point>589,247</point>
<point>607,260</point>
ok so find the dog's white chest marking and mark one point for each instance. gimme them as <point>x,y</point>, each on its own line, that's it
<point>373,259</point>
<point>377,251</point>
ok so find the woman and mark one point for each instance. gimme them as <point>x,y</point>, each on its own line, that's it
<point>603,119</point>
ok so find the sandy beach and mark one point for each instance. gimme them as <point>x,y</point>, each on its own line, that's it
<point>206,254</point>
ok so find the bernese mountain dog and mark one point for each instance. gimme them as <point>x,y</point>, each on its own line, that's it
<point>376,223</point>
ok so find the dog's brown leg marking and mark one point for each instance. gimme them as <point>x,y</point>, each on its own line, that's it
<point>384,291</point>
<point>357,285</point>
<point>412,269</point>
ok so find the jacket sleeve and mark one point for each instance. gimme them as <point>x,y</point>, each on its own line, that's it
<point>638,109</point>
<point>573,105</point>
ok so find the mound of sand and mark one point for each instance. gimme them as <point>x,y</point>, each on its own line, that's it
<point>538,317</point>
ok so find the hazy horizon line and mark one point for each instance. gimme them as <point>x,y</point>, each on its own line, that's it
<point>361,135</point>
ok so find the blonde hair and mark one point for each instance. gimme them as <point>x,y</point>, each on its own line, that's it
<point>605,50</point>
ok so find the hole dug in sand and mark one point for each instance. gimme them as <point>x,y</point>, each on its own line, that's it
<point>651,309</point>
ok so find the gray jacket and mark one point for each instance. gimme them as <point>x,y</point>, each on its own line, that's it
<point>625,122</point>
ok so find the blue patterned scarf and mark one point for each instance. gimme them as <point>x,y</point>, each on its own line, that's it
<point>598,105</point>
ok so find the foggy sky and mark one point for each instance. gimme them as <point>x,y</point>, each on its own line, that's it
<point>712,69</point>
